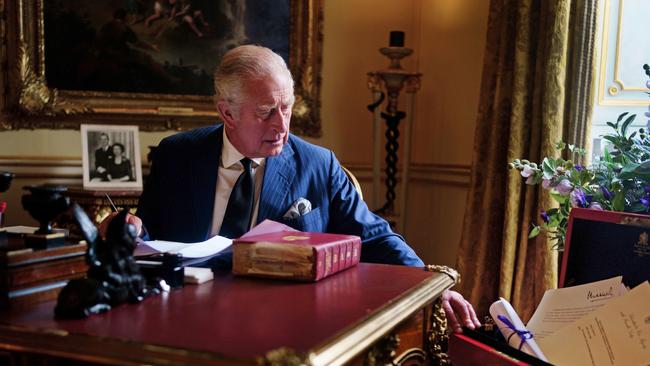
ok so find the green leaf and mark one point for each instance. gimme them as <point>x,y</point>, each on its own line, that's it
<point>620,117</point>
<point>611,139</point>
<point>558,197</point>
<point>610,124</point>
<point>548,167</point>
<point>534,232</point>
<point>627,122</point>
<point>643,168</point>
<point>637,207</point>
<point>607,157</point>
<point>636,170</point>
<point>618,202</point>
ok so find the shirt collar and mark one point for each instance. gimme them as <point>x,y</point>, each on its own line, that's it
<point>230,155</point>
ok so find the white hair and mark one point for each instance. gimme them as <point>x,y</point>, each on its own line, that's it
<point>242,64</point>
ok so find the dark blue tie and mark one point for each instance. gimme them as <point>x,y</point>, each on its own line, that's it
<point>237,219</point>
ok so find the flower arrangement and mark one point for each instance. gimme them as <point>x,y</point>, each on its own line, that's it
<point>619,180</point>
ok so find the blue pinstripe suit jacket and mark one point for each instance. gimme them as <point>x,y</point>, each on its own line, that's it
<point>178,198</point>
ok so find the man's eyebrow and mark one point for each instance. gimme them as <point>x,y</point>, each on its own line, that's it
<point>266,107</point>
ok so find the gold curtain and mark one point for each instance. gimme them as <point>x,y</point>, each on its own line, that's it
<point>523,109</point>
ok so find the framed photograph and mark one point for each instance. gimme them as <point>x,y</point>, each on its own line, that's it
<point>111,157</point>
<point>149,61</point>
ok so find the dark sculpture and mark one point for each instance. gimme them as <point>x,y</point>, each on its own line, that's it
<point>44,203</point>
<point>5,180</point>
<point>113,277</point>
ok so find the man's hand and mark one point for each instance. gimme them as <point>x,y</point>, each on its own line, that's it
<point>459,311</point>
<point>131,219</point>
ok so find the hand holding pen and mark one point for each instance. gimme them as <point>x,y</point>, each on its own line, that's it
<point>131,219</point>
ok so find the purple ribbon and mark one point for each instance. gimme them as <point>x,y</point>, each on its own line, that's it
<point>523,334</point>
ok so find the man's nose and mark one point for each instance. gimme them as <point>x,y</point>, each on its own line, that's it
<point>280,121</point>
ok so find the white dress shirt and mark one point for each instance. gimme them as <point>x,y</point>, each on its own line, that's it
<point>230,168</point>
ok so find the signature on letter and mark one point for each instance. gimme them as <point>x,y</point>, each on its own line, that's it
<point>600,295</point>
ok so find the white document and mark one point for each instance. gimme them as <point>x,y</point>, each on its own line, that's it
<point>20,229</point>
<point>503,308</point>
<point>616,334</point>
<point>206,248</point>
<point>564,306</point>
<point>25,230</point>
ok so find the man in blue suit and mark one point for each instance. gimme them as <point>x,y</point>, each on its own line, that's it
<point>188,193</point>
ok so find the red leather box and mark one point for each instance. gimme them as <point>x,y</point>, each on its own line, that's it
<point>476,348</point>
<point>606,244</point>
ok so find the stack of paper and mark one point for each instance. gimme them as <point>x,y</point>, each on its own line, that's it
<point>206,248</point>
<point>600,323</point>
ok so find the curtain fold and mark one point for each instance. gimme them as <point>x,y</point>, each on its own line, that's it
<point>523,113</point>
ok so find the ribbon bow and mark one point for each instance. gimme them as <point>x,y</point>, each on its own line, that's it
<point>523,334</point>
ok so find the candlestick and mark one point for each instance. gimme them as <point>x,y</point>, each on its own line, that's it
<point>396,39</point>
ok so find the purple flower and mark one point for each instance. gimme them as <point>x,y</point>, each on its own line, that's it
<point>547,183</point>
<point>595,206</point>
<point>645,201</point>
<point>579,168</point>
<point>647,190</point>
<point>606,193</point>
<point>544,216</point>
<point>564,187</point>
<point>578,198</point>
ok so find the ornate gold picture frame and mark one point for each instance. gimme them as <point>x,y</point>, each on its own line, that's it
<point>32,103</point>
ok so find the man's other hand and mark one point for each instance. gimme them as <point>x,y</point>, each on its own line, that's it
<point>459,311</point>
<point>131,219</point>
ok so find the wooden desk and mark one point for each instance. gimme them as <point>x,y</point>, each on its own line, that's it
<point>346,318</point>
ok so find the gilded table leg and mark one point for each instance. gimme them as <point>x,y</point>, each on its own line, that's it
<point>437,338</point>
<point>383,352</point>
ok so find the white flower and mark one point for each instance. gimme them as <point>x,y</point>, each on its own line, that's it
<point>595,206</point>
<point>527,171</point>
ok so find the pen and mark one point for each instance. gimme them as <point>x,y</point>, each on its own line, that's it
<point>111,202</point>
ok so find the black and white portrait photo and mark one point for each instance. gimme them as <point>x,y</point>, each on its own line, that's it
<point>111,157</point>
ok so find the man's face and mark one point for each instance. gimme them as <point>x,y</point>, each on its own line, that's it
<point>103,140</point>
<point>259,126</point>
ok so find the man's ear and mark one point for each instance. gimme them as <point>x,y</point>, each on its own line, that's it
<point>227,113</point>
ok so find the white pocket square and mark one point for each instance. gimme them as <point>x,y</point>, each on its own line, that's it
<point>301,207</point>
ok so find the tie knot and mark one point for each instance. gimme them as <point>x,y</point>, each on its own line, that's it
<point>246,163</point>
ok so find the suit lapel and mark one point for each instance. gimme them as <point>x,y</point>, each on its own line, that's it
<point>204,180</point>
<point>279,172</point>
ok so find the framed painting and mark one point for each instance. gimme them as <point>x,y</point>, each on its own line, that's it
<point>149,62</point>
<point>111,157</point>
